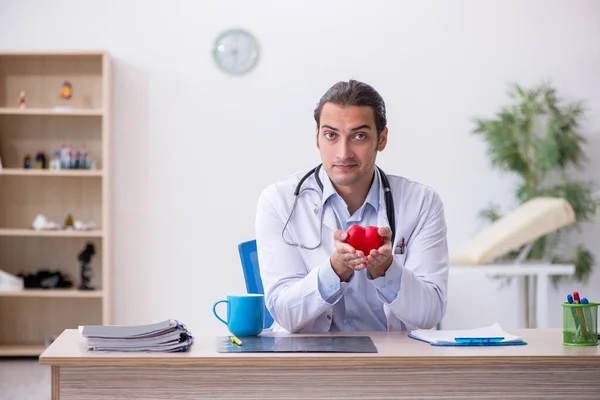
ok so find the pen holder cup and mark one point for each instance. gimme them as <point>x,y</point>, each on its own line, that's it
<point>580,324</point>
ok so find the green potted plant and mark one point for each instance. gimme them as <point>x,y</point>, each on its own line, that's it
<point>536,137</point>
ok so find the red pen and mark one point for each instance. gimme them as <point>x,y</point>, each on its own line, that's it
<point>576,297</point>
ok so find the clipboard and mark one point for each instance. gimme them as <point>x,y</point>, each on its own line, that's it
<point>492,335</point>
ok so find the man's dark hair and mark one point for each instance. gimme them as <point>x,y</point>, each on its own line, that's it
<point>355,93</point>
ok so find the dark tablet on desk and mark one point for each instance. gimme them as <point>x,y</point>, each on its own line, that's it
<point>298,344</point>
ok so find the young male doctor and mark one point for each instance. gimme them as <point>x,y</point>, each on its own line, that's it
<point>316,282</point>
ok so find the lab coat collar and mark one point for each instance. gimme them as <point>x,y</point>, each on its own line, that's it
<point>374,198</point>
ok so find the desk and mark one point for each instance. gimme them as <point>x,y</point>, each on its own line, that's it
<point>404,368</point>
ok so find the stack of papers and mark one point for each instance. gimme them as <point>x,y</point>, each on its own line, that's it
<point>166,336</point>
<point>492,335</point>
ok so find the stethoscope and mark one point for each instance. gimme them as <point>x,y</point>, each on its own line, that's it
<point>389,205</point>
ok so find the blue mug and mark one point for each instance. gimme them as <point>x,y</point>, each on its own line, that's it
<point>245,314</point>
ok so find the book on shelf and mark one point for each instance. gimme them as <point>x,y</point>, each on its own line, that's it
<point>165,336</point>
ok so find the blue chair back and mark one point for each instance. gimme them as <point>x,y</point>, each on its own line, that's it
<point>249,258</point>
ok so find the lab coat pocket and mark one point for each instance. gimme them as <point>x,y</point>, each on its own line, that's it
<point>400,258</point>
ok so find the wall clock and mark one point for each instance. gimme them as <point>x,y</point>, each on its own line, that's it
<point>236,51</point>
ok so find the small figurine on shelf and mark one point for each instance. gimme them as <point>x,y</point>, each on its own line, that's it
<point>75,160</point>
<point>69,223</point>
<point>22,100</point>
<point>85,257</point>
<point>55,161</point>
<point>66,91</point>
<point>85,158</point>
<point>40,160</point>
<point>89,163</point>
<point>65,156</point>
<point>27,162</point>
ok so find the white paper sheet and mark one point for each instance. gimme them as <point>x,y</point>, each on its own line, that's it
<point>448,337</point>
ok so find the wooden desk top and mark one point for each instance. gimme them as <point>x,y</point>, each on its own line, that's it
<point>395,348</point>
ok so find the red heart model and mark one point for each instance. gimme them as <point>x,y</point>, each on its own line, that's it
<point>364,239</point>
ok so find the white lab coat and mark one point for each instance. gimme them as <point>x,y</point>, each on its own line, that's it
<point>289,273</point>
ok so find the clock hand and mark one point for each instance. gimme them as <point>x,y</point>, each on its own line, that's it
<point>235,54</point>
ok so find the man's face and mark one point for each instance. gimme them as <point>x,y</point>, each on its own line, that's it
<point>347,140</point>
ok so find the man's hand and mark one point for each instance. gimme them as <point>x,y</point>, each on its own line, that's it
<point>378,261</point>
<point>346,259</point>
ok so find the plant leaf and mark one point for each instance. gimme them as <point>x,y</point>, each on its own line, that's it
<point>537,137</point>
<point>490,214</point>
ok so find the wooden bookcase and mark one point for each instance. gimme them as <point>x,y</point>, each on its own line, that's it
<point>30,317</point>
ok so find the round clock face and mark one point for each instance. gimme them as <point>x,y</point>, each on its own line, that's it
<point>236,51</point>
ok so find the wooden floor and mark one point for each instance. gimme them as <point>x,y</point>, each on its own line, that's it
<point>24,379</point>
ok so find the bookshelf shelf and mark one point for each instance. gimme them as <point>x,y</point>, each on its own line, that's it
<point>52,233</point>
<point>51,173</point>
<point>49,123</point>
<point>51,112</point>
<point>55,293</point>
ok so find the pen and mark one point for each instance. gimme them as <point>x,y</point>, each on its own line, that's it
<point>570,301</point>
<point>586,311</point>
<point>478,340</point>
<point>580,314</point>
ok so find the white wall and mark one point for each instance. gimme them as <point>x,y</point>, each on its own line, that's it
<point>191,144</point>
